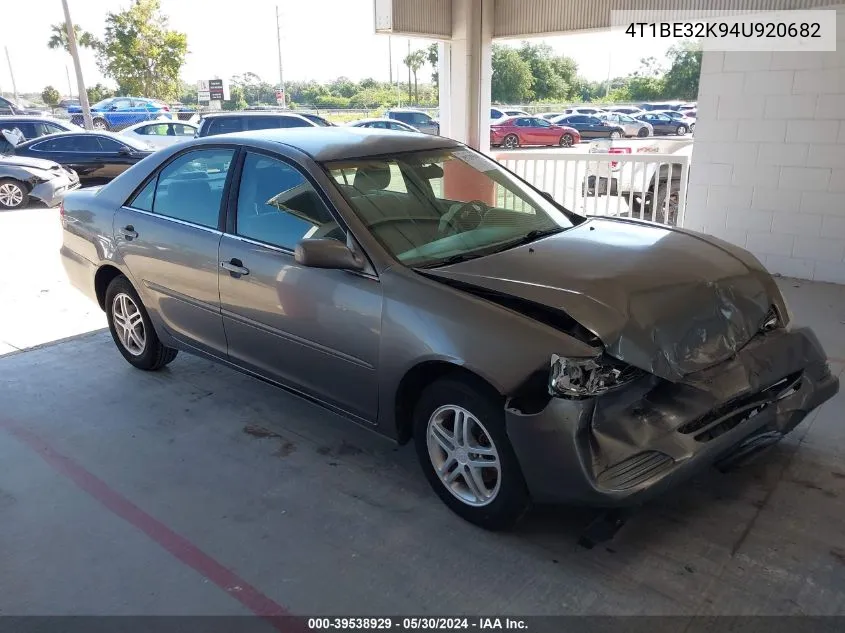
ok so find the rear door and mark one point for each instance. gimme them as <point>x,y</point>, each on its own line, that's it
<point>169,235</point>
<point>314,330</point>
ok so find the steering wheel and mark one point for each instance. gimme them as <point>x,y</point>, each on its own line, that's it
<point>467,217</point>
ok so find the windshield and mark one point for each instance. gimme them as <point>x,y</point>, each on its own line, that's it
<point>432,208</point>
<point>103,103</point>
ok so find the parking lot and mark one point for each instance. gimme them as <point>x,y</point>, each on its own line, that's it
<point>197,490</point>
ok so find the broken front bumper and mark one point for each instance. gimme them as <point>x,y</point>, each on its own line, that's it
<point>629,445</point>
<point>53,191</point>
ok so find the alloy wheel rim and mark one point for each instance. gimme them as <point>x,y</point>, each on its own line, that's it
<point>566,141</point>
<point>614,135</point>
<point>10,195</point>
<point>510,141</point>
<point>464,455</point>
<point>99,125</point>
<point>129,324</point>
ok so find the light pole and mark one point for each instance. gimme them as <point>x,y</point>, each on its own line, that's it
<point>281,73</point>
<point>74,53</point>
<point>12,73</point>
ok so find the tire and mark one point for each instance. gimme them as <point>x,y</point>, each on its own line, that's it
<point>681,131</point>
<point>100,124</point>
<point>150,355</point>
<point>511,141</point>
<point>647,207</point>
<point>501,497</point>
<point>13,194</point>
<point>642,132</point>
<point>615,134</point>
<point>566,140</point>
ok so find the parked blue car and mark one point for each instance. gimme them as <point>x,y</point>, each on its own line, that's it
<point>116,113</point>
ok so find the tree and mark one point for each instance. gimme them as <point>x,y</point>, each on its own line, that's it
<point>512,79</point>
<point>141,53</point>
<point>414,61</point>
<point>236,99</point>
<point>548,83</point>
<point>98,92</point>
<point>433,56</point>
<point>343,87</point>
<point>58,37</point>
<point>51,96</point>
<point>681,80</point>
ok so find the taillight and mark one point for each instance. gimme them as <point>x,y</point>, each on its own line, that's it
<point>618,150</point>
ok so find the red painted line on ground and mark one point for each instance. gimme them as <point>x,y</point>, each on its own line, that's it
<point>178,546</point>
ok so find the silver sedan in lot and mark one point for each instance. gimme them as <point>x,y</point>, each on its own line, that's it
<point>630,125</point>
<point>22,179</point>
<point>420,289</point>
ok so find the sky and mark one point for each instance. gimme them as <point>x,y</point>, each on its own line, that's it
<point>223,43</point>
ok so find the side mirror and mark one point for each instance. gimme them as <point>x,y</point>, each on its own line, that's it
<point>327,253</point>
<point>124,151</point>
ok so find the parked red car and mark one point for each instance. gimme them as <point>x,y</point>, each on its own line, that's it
<point>531,130</point>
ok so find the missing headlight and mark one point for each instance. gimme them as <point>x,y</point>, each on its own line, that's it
<point>588,377</point>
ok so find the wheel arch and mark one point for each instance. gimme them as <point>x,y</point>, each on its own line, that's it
<point>418,378</point>
<point>102,278</point>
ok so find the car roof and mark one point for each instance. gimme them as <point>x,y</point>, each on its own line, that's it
<point>33,117</point>
<point>46,137</point>
<point>377,120</point>
<point>343,142</point>
<point>157,122</point>
<point>251,113</point>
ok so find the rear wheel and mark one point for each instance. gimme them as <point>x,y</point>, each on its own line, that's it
<point>131,328</point>
<point>13,194</point>
<point>511,141</point>
<point>665,213</point>
<point>464,451</point>
<point>566,140</point>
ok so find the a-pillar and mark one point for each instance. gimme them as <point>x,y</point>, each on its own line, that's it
<point>465,73</point>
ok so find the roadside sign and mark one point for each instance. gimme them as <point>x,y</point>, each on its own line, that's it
<point>212,90</point>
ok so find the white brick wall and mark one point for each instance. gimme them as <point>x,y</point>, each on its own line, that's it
<point>768,165</point>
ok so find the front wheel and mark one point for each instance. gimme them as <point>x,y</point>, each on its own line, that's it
<point>464,451</point>
<point>642,132</point>
<point>131,328</point>
<point>13,194</point>
<point>682,130</point>
<point>615,134</point>
<point>566,140</point>
<point>511,141</point>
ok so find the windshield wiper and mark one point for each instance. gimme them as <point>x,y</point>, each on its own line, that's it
<point>452,259</point>
<point>531,236</point>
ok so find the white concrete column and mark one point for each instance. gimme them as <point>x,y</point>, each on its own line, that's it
<point>465,74</point>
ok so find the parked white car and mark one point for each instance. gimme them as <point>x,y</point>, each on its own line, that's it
<point>161,133</point>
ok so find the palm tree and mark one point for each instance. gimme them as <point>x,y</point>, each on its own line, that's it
<point>58,38</point>
<point>414,61</point>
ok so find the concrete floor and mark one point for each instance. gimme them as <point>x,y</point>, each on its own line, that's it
<point>123,492</point>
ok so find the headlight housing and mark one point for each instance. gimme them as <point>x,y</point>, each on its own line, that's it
<point>588,377</point>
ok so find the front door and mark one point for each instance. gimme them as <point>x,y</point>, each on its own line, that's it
<point>168,236</point>
<point>314,330</point>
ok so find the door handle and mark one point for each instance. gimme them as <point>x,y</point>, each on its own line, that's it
<point>129,232</point>
<point>235,267</point>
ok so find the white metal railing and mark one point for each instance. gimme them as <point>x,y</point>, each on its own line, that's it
<point>647,186</point>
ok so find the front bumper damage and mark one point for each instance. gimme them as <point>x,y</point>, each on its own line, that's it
<point>53,191</point>
<point>627,446</point>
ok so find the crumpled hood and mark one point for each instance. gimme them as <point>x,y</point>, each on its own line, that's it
<point>664,300</point>
<point>24,161</point>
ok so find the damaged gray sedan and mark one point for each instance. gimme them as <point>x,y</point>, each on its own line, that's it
<point>420,289</point>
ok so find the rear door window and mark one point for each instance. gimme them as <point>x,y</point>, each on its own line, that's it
<point>190,188</point>
<point>262,122</point>
<point>225,125</point>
